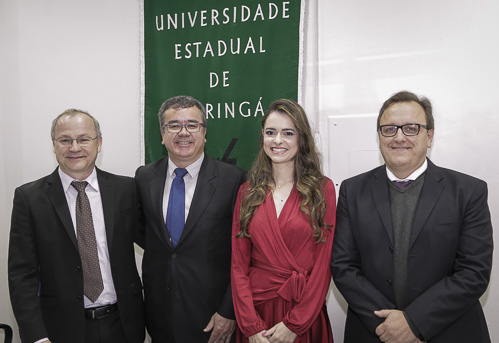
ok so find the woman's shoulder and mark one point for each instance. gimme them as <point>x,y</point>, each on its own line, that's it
<point>244,187</point>
<point>327,184</point>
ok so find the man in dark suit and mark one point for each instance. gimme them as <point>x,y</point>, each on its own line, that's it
<point>412,257</point>
<point>72,271</point>
<point>186,271</point>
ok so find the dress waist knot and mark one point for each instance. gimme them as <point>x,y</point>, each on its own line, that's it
<point>290,284</point>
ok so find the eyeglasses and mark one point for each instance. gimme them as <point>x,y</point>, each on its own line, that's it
<point>407,129</point>
<point>81,141</point>
<point>177,127</point>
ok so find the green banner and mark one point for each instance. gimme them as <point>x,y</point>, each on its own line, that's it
<point>235,57</point>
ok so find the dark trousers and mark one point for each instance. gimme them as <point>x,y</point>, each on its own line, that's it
<point>105,330</point>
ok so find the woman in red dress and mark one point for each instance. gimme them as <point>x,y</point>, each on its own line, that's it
<point>282,237</point>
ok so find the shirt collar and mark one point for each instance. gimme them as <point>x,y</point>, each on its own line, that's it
<point>66,180</point>
<point>192,169</point>
<point>415,174</point>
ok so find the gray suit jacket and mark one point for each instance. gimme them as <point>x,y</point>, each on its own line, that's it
<point>449,263</point>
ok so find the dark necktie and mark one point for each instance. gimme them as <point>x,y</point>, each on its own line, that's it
<point>402,183</point>
<point>87,244</point>
<point>175,218</point>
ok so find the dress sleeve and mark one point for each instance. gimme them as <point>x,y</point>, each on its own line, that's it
<point>247,318</point>
<point>301,317</point>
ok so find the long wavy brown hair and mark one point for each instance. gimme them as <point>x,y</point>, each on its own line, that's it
<point>307,174</point>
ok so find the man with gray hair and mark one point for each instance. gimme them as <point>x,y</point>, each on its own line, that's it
<point>412,251</point>
<point>72,271</point>
<point>187,200</point>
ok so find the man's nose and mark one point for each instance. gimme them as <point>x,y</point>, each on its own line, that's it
<point>399,136</point>
<point>183,131</point>
<point>75,146</point>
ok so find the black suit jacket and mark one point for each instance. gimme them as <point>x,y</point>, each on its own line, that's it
<point>184,286</point>
<point>449,262</point>
<point>45,277</point>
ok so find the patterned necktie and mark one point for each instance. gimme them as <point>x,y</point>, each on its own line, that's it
<point>175,218</point>
<point>402,184</point>
<point>87,244</point>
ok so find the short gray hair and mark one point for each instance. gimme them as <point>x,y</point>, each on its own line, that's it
<point>180,101</point>
<point>70,113</point>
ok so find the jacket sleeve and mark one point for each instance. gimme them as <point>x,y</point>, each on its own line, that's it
<point>362,296</point>
<point>226,307</point>
<point>23,272</point>
<point>450,298</point>
<point>139,233</point>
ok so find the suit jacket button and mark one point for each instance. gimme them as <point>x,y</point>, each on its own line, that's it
<point>388,281</point>
<point>78,268</point>
<point>168,287</point>
<point>391,249</point>
<point>174,255</point>
<point>79,298</point>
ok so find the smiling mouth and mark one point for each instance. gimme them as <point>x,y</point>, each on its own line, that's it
<point>183,143</point>
<point>279,150</point>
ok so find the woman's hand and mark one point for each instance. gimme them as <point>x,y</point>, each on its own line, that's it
<point>258,338</point>
<point>280,334</point>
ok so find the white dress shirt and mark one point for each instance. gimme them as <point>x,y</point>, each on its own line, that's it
<point>190,181</point>
<point>415,174</point>
<point>108,295</point>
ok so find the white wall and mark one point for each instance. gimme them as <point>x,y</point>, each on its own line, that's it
<point>56,54</point>
<point>443,49</point>
<point>59,54</point>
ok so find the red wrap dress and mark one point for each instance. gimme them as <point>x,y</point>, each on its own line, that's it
<point>280,273</point>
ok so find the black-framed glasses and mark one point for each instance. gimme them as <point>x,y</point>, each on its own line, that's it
<point>191,127</point>
<point>407,129</point>
<point>81,141</point>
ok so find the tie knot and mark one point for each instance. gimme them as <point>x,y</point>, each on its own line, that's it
<point>79,185</point>
<point>180,172</point>
<point>402,183</point>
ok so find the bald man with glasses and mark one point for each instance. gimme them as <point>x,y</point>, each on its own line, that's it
<point>72,271</point>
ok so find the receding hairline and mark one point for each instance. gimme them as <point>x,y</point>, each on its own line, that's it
<point>403,102</point>
<point>407,97</point>
<point>72,112</point>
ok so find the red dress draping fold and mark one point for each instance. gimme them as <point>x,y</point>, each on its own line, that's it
<point>280,274</point>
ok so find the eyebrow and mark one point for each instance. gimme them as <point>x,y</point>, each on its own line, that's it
<point>79,136</point>
<point>271,128</point>
<point>178,121</point>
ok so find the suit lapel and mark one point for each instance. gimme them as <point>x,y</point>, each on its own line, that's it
<point>380,193</point>
<point>432,189</point>
<point>156,190</point>
<point>107,197</point>
<point>205,188</point>
<point>56,195</point>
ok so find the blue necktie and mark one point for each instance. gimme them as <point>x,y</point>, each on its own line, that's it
<point>175,218</point>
